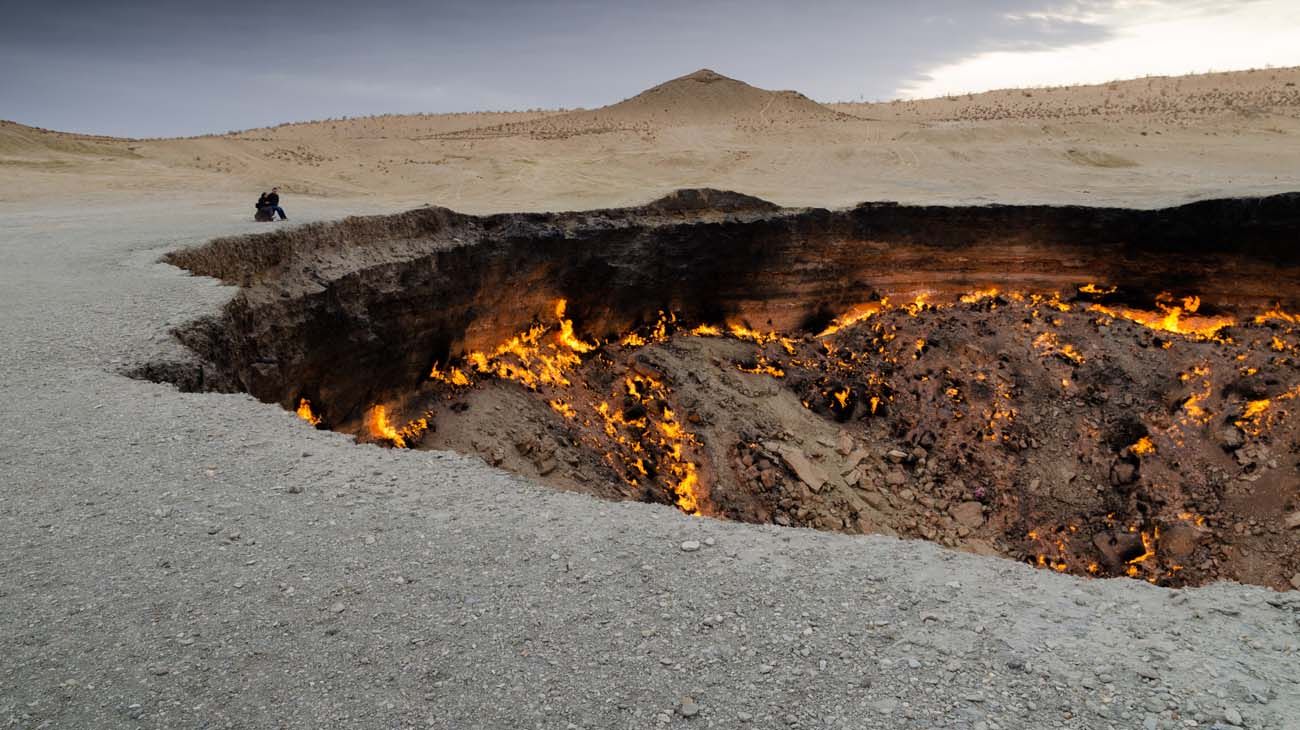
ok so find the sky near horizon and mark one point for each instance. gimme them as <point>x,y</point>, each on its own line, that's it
<point>170,67</point>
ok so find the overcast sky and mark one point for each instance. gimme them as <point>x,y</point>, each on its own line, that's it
<point>160,68</point>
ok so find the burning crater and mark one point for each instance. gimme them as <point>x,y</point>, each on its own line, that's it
<point>1096,391</point>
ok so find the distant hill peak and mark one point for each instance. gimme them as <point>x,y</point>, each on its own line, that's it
<point>707,75</point>
<point>708,97</point>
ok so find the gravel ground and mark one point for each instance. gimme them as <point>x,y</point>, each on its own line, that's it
<point>207,561</point>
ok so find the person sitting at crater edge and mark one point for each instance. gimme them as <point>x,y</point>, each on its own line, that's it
<point>273,204</point>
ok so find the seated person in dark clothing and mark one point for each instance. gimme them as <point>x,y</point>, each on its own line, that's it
<point>263,210</point>
<point>273,204</point>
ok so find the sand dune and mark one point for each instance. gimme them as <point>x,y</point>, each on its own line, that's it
<point>1149,141</point>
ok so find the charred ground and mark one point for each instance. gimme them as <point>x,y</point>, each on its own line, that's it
<point>1098,391</point>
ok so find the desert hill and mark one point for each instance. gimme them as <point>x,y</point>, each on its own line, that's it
<point>1173,99</point>
<point>699,99</point>
<point>389,126</point>
<point>19,140</point>
<point>1152,141</point>
<point>708,97</point>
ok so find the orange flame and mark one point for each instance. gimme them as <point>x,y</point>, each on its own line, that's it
<point>522,358</point>
<point>853,316</point>
<point>917,304</point>
<point>842,397</point>
<point>1259,415</point>
<point>382,430</point>
<point>741,332</point>
<point>705,330</point>
<point>978,295</point>
<point>1171,317</point>
<point>763,367</point>
<point>1143,447</point>
<point>1048,344</point>
<point>454,376</point>
<point>562,408</point>
<point>1278,314</point>
<point>305,413</point>
<point>569,339</point>
<point>1148,548</point>
<point>1091,288</point>
<point>1193,406</point>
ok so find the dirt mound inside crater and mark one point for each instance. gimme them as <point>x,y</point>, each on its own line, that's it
<point>1043,430</point>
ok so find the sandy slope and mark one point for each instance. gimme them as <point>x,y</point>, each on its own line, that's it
<point>1144,142</point>
<point>1163,99</point>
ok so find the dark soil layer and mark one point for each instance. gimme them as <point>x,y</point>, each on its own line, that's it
<point>1098,391</point>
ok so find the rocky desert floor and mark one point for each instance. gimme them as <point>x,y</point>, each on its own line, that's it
<point>210,561</point>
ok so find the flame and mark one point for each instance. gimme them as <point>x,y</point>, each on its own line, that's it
<point>1143,447</point>
<point>1054,302</point>
<point>653,443</point>
<point>853,316</point>
<point>1277,314</point>
<point>454,376</point>
<point>1042,559</point>
<point>1148,549</point>
<point>1256,408</point>
<point>382,430</point>
<point>741,332</point>
<point>686,489</point>
<point>978,295</point>
<point>917,305</point>
<point>305,413</point>
<point>658,331</point>
<point>524,359</point>
<point>562,408</point>
<point>1193,405</point>
<point>842,397</point>
<point>705,330</point>
<point>1000,415</point>
<point>1091,288</point>
<point>569,339</point>
<point>1048,344</point>
<point>763,367</point>
<point>1171,317</point>
<point>1259,415</point>
<point>687,501</point>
